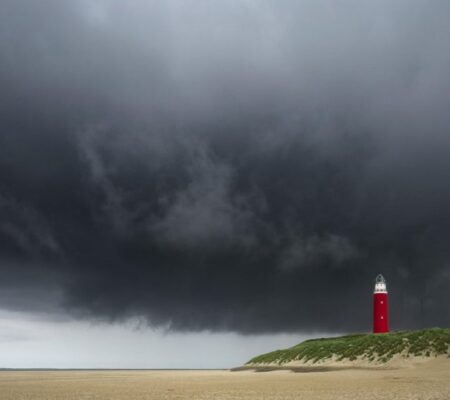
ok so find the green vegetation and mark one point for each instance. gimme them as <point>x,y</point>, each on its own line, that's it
<point>377,348</point>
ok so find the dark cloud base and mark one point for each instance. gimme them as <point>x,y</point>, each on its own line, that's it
<point>225,167</point>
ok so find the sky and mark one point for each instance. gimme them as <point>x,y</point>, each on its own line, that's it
<point>229,175</point>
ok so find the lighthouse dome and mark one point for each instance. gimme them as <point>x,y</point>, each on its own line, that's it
<point>380,284</point>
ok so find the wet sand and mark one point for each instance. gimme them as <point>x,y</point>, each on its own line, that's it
<point>430,381</point>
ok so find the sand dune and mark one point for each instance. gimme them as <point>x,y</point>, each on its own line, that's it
<point>424,381</point>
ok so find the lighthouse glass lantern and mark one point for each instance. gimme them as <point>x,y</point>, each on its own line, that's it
<point>380,306</point>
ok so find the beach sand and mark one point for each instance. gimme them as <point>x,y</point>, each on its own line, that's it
<point>425,381</point>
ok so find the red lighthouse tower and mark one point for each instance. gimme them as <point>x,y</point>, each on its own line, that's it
<point>380,306</point>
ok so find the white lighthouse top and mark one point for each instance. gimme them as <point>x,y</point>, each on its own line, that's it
<point>380,284</point>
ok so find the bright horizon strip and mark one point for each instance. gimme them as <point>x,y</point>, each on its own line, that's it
<point>30,341</point>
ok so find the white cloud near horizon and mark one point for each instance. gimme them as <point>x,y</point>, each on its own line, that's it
<point>30,341</point>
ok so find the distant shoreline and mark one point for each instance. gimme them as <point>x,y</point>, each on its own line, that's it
<point>112,369</point>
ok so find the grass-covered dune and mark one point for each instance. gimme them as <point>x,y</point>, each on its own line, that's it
<point>379,349</point>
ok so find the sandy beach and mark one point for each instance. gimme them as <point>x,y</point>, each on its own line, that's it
<point>427,381</point>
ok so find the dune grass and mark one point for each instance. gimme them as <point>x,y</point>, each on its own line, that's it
<point>378,348</point>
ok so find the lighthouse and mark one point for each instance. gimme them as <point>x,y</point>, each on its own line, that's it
<point>380,306</point>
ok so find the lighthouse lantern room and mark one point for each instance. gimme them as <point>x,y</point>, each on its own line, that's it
<point>380,306</point>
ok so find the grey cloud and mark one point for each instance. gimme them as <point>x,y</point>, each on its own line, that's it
<point>27,229</point>
<point>334,250</point>
<point>205,211</point>
<point>195,163</point>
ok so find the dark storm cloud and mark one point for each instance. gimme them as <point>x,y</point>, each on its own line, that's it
<point>246,166</point>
